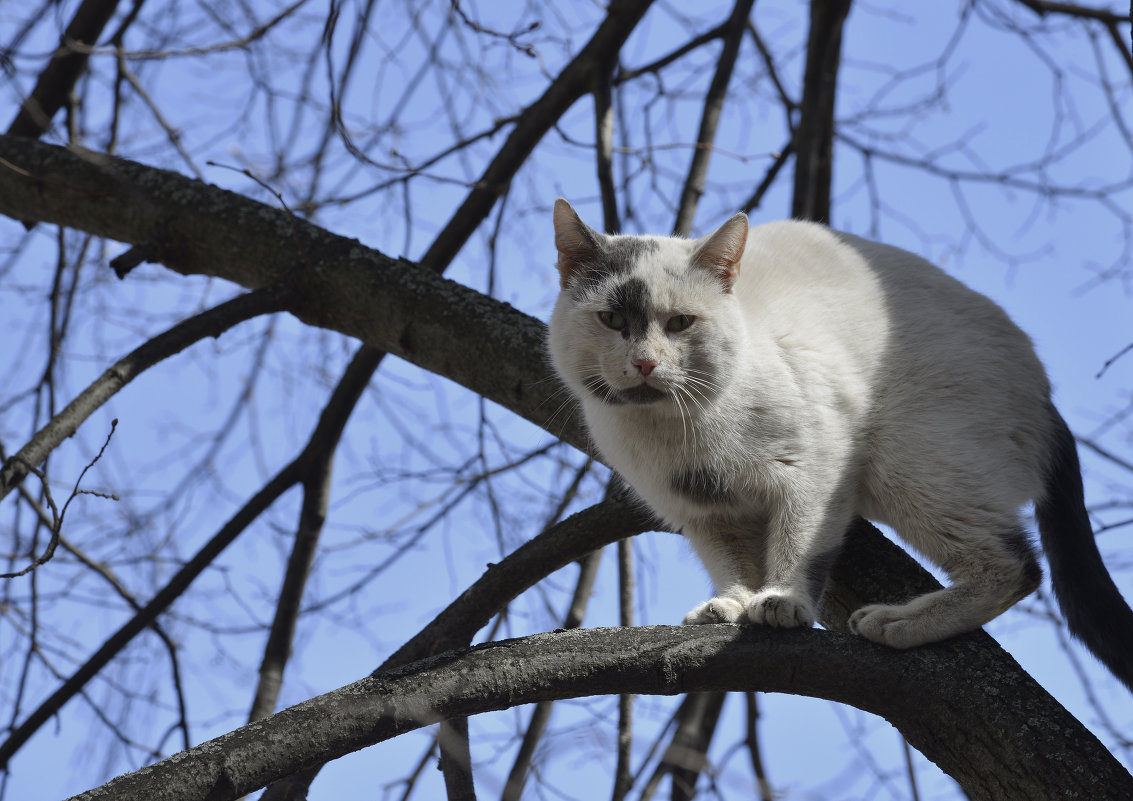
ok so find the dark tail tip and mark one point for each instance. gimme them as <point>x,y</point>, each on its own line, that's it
<point>1094,609</point>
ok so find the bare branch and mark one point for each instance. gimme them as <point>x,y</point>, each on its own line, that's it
<point>59,77</point>
<point>922,697</point>
<point>814,137</point>
<point>710,117</point>
<point>570,84</point>
<point>211,323</point>
<point>312,515</point>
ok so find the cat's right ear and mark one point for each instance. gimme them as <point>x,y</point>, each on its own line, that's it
<point>720,252</point>
<point>578,244</point>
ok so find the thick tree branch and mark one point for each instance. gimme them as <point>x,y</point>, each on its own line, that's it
<point>1014,750</point>
<point>710,118</point>
<point>814,137</point>
<point>58,79</point>
<point>339,284</point>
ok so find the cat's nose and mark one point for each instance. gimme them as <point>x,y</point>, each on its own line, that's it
<point>644,366</point>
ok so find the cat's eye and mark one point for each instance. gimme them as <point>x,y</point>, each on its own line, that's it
<point>679,323</point>
<point>612,319</point>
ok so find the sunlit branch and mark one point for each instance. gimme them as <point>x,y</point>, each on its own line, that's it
<point>922,697</point>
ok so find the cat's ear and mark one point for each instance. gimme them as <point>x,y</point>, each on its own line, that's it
<point>720,251</point>
<point>578,244</point>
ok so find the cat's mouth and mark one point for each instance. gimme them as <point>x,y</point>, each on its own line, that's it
<point>642,394</point>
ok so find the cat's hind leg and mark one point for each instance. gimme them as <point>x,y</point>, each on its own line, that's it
<point>989,572</point>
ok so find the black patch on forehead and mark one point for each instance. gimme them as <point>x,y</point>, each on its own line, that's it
<point>704,486</point>
<point>624,252</point>
<point>631,300</point>
<point>615,257</point>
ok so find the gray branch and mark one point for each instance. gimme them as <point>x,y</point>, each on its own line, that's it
<point>1011,748</point>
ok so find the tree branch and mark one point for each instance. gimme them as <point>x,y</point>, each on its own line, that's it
<point>1044,7</point>
<point>338,284</point>
<point>814,137</point>
<point>59,77</point>
<point>312,514</point>
<point>211,323</point>
<point>1016,749</point>
<point>295,472</point>
<point>710,117</point>
<point>573,82</point>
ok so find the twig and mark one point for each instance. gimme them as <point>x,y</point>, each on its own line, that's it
<point>570,84</point>
<point>173,589</point>
<point>583,588</point>
<point>210,323</point>
<point>1109,362</point>
<point>56,513</point>
<point>754,750</point>
<point>511,38</point>
<point>1105,454</point>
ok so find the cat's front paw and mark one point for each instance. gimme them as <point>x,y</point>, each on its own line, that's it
<point>888,625</point>
<point>720,609</point>
<point>781,608</point>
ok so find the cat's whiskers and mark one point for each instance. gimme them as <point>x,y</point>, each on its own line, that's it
<point>696,387</point>
<point>598,386</point>
<point>702,378</point>
<point>570,401</point>
<point>676,395</point>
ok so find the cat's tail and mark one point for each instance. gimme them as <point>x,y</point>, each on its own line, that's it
<point>1094,609</point>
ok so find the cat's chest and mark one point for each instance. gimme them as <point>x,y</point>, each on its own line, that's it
<point>683,472</point>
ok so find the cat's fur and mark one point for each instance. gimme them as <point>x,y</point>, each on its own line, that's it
<point>759,388</point>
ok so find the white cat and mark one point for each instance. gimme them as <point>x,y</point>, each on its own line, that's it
<point>759,388</point>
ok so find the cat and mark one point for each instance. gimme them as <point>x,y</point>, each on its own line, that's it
<point>759,388</point>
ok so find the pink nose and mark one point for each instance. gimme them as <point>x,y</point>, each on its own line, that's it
<point>644,366</point>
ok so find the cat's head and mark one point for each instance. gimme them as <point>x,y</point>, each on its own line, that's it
<point>646,320</point>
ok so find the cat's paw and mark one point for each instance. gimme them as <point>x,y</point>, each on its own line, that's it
<point>888,625</point>
<point>720,609</point>
<point>781,608</point>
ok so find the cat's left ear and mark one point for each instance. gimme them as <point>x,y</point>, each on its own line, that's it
<point>720,251</point>
<point>578,244</point>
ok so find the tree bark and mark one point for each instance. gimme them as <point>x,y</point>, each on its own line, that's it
<point>1013,746</point>
<point>814,137</point>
